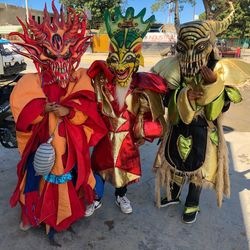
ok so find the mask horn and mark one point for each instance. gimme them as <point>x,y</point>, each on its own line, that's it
<point>176,16</point>
<point>220,26</point>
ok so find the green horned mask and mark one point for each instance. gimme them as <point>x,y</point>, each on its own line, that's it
<point>126,34</point>
<point>196,42</point>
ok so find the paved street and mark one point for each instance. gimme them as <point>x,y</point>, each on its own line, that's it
<point>148,228</point>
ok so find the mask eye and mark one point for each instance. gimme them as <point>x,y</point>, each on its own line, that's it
<point>112,59</point>
<point>48,53</point>
<point>180,48</point>
<point>130,59</point>
<point>200,47</point>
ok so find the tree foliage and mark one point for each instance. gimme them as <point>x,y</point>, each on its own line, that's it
<point>240,27</point>
<point>217,9</point>
<point>161,4</point>
<point>96,7</point>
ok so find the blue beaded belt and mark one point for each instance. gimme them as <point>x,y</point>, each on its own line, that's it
<point>58,179</point>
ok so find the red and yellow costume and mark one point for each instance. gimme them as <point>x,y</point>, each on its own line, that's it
<point>59,198</point>
<point>116,157</point>
<point>139,116</point>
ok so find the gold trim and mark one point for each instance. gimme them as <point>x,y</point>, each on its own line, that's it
<point>116,141</point>
<point>118,177</point>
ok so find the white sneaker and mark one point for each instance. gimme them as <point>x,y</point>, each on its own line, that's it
<point>124,204</point>
<point>92,207</point>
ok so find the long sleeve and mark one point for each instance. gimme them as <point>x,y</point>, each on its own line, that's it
<point>185,108</point>
<point>30,115</point>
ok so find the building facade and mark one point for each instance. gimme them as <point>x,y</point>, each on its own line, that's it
<point>9,14</point>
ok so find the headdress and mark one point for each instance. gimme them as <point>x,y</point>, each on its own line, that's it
<point>126,34</point>
<point>55,45</point>
<point>196,41</point>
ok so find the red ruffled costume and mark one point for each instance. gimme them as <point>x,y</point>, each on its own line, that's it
<point>55,204</point>
<point>116,157</point>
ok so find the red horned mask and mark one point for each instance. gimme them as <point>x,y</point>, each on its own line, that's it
<point>55,46</point>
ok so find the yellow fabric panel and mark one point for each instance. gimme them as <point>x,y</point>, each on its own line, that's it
<point>118,177</point>
<point>209,169</point>
<point>41,185</point>
<point>27,89</point>
<point>64,208</point>
<point>155,103</point>
<point>88,131</point>
<point>79,118</point>
<point>185,109</point>
<point>37,120</point>
<point>22,139</point>
<point>21,188</point>
<point>91,180</point>
<point>233,71</point>
<point>59,144</point>
<point>83,83</point>
<point>20,97</point>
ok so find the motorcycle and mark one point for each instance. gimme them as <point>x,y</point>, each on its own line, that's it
<point>7,124</point>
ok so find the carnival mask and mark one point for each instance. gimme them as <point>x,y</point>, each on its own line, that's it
<point>126,34</point>
<point>196,41</point>
<point>55,46</point>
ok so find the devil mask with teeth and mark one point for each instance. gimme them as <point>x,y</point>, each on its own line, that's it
<point>196,42</point>
<point>55,46</point>
<point>126,34</point>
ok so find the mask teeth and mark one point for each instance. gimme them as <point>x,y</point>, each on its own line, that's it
<point>203,61</point>
<point>194,65</point>
<point>200,63</point>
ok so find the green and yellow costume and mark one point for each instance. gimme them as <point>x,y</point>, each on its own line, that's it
<point>194,146</point>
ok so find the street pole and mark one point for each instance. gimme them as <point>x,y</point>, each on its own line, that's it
<point>27,10</point>
<point>194,12</point>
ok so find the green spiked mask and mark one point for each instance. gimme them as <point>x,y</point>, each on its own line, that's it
<point>126,34</point>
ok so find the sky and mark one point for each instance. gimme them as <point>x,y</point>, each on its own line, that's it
<point>161,16</point>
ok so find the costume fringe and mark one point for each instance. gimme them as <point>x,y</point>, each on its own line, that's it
<point>163,174</point>
<point>222,185</point>
<point>164,171</point>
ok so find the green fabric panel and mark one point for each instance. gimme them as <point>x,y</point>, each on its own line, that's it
<point>184,146</point>
<point>119,37</point>
<point>173,114</point>
<point>214,137</point>
<point>132,35</point>
<point>233,94</point>
<point>213,109</point>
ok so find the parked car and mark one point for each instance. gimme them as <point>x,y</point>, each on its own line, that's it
<point>11,63</point>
